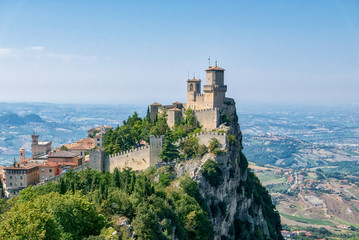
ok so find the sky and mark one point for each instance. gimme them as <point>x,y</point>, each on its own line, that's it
<point>139,52</point>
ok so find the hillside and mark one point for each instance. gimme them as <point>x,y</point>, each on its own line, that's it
<point>208,195</point>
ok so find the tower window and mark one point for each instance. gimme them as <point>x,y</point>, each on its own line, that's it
<point>191,87</point>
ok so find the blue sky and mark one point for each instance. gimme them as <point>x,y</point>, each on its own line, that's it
<point>142,51</point>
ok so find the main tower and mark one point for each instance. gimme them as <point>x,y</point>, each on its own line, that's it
<point>214,90</point>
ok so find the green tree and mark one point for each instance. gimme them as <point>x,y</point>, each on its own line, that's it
<point>190,147</point>
<point>169,150</point>
<point>212,172</point>
<point>145,223</point>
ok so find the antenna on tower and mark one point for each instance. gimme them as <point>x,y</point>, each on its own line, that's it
<point>194,75</point>
<point>14,160</point>
<point>209,61</point>
<point>216,63</point>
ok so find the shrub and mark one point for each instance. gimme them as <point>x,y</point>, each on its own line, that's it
<point>242,162</point>
<point>215,147</point>
<point>212,172</point>
<point>202,150</point>
<point>232,140</point>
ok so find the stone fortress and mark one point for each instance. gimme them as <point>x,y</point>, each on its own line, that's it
<point>208,107</point>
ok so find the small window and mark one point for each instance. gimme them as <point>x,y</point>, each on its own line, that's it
<point>191,87</point>
<point>15,177</point>
<point>21,184</point>
<point>50,170</point>
<point>98,139</point>
<point>16,184</point>
<point>43,177</point>
<point>98,144</point>
<point>43,170</point>
<point>20,177</point>
<point>10,177</point>
<point>10,184</point>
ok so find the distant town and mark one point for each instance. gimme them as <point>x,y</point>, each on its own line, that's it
<point>46,163</point>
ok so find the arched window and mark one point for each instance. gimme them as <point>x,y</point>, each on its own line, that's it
<point>191,87</point>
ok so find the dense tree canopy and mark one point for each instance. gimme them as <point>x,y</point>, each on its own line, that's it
<point>83,203</point>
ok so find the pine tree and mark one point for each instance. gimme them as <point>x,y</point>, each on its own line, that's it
<point>2,193</point>
<point>148,115</point>
<point>169,151</point>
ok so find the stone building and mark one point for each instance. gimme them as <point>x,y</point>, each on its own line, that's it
<point>65,158</point>
<point>80,147</point>
<point>48,170</point>
<point>20,175</point>
<point>207,107</point>
<point>22,154</point>
<point>39,148</point>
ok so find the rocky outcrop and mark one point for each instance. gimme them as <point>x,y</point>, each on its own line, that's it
<point>236,212</point>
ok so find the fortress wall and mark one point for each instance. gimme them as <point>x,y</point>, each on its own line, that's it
<point>156,144</point>
<point>208,118</point>
<point>173,117</point>
<point>154,158</point>
<point>205,137</point>
<point>137,159</point>
<point>97,160</point>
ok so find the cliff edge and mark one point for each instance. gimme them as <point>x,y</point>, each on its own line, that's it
<point>239,206</point>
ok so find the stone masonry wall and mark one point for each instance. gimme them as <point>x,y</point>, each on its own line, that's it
<point>208,118</point>
<point>138,159</point>
<point>205,138</point>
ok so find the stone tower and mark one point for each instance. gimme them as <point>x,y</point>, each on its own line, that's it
<point>34,144</point>
<point>22,154</point>
<point>35,139</point>
<point>154,110</point>
<point>214,90</point>
<point>193,89</point>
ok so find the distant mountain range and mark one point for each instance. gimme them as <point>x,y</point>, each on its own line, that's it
<point>15,120</point>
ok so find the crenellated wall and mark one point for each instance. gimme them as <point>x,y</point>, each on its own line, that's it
<point>205,137</point>
<point>208,118</point>
<point>142,158</point>
<point>137,159</point>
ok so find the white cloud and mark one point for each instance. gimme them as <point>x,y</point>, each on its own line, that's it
<point>7,52</point>
<point>37,48</point>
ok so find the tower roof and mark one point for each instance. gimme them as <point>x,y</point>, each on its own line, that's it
<point>193,80</point>
<point>156,104</point>
<point>214,68</point>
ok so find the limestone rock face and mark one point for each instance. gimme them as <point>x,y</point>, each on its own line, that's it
<point>228,203</point>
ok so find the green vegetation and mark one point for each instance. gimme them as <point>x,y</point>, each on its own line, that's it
<point>212,172</point>
<point>215,147</point>
<point>307,220</point>
<point>187,127</point>
<point>134,129</point>
<point>191,148</point>
<point>232,140</point>
<point>253,187</point>
<point>63,148</point>
<point>169,150</point>
<point>82,205</point>
<point>242,162</point>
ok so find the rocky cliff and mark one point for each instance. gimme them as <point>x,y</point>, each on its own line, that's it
<point>239,206</point>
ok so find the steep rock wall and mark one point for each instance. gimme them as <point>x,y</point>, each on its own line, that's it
<point>236,212</point>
